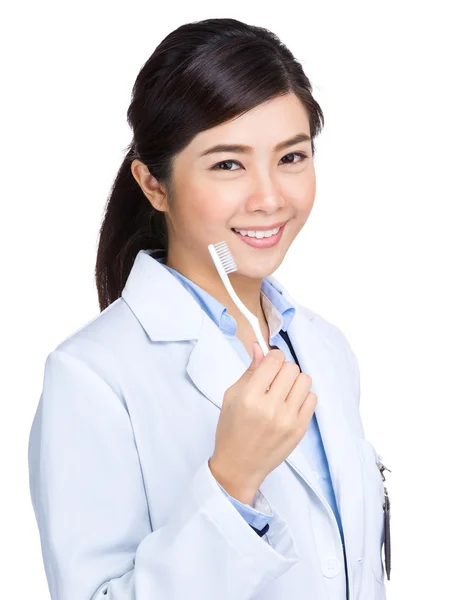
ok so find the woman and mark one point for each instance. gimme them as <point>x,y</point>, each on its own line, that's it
<point>165,461</point>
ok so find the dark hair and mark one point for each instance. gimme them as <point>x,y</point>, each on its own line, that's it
<point>201,75</point>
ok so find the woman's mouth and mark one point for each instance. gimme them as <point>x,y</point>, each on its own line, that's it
<point>262,242</point>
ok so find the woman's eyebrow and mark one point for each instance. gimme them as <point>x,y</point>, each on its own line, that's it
<point>300,137</point>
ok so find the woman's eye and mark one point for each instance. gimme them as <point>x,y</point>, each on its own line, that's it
<point>218,166</point>
<point>302,156</point>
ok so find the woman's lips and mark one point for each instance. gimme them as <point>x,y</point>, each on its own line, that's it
<point>267,242</point>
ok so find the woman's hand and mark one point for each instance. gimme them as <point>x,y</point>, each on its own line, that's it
<point>257,429</point>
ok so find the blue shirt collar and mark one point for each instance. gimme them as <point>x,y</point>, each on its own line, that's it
<point>278,311</point>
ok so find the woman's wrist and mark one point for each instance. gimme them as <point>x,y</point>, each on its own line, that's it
<point>234,485</point>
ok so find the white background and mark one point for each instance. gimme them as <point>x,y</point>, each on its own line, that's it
<point>374,257</point>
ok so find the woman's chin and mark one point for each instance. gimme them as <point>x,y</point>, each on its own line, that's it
<point>258,267</point>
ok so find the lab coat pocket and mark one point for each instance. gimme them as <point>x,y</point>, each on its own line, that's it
<point>373,508</point>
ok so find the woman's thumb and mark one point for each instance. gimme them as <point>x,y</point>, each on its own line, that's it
<point>257,354</point>
<point>255,361</point>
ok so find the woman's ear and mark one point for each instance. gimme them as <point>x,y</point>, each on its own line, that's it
<point>151,188</point>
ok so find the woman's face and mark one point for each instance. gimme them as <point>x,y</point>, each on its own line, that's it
<point>214,192</point>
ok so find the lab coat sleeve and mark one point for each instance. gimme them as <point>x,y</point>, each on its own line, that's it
<point>93,517</point>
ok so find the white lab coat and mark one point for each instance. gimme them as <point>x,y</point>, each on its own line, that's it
<point>126,505</point>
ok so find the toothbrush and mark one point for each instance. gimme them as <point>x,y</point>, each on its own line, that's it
<point>225,264</point>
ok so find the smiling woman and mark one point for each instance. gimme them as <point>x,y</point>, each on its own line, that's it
<point>216,89</point>
<point>269,188</point>
<point>165,455</point>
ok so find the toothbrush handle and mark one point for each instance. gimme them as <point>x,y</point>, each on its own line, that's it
<point>252,319</point>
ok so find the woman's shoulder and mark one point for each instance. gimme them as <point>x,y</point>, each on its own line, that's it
<point>107,334</point>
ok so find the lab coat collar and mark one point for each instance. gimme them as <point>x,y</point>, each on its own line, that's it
<point>168,312</point>
<point>165,309</point>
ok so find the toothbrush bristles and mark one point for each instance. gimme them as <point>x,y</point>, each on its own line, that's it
<point>225,256</point>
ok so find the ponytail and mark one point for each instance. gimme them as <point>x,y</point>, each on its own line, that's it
<point>130,223</point>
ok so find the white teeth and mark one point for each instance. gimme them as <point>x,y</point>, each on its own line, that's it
<point>258,234</point>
